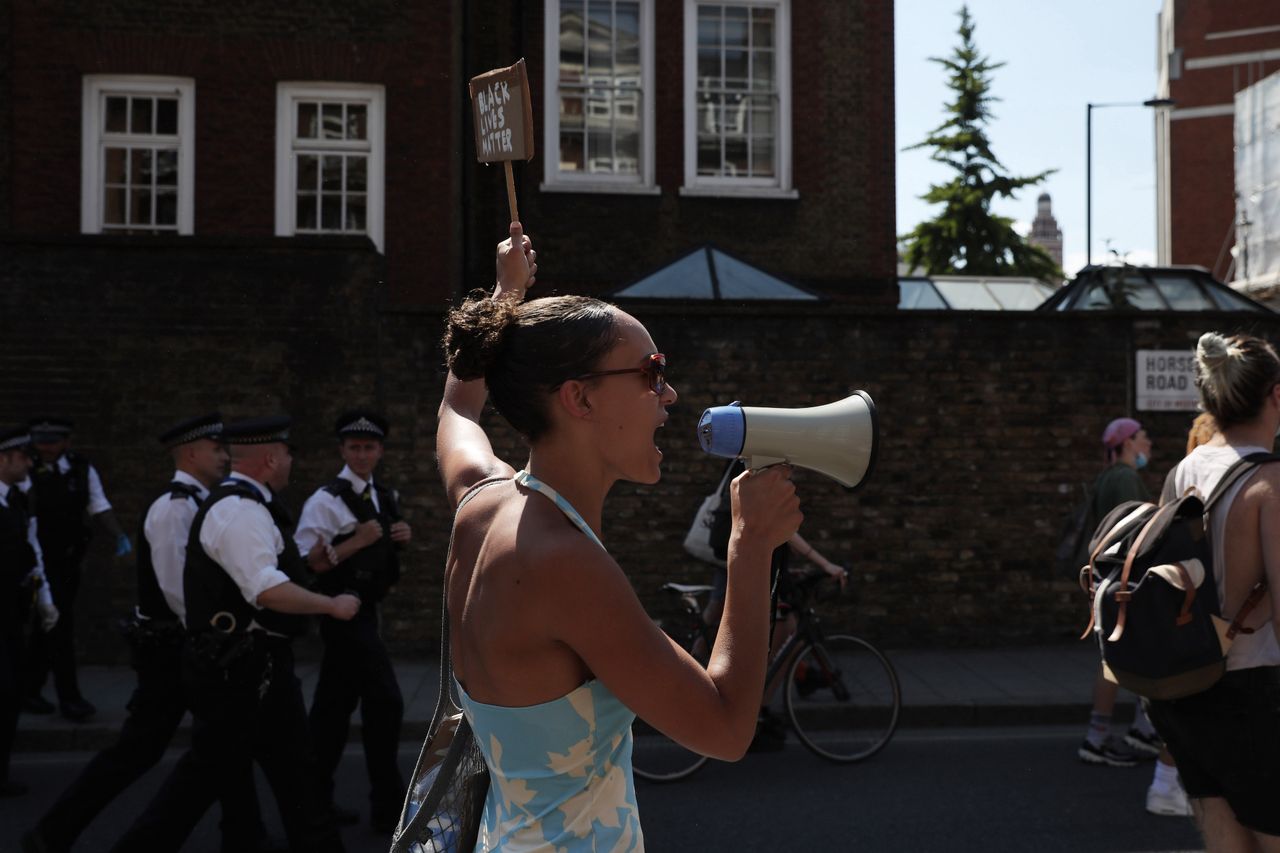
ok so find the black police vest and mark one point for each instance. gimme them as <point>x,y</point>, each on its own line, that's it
<point>62,503</point>
<point>17,557</point>
<point>209,590</point>
<point>151,601</point>
<point>374,569</point>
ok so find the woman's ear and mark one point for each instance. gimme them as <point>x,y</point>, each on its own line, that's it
<point>572,397</point>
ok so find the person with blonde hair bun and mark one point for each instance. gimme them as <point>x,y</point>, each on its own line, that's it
<point>553,655</point>
<point>1226,740</point>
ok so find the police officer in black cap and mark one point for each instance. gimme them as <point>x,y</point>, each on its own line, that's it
<point>21,580</point>
<point>351,532</point>
<point>68,492</point>
<point>246,596</point>
<point>155,633</point>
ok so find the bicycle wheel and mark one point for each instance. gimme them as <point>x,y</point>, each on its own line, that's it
<point>656,757</point>
<point>843,698</point>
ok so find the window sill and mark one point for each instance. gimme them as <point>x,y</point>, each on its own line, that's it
<point>741,192</point>
<point>599,188</point>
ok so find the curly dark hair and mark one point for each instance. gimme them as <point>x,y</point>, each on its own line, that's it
<point>524,350</point>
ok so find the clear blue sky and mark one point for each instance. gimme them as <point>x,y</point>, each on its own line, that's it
<point>1059,57</point>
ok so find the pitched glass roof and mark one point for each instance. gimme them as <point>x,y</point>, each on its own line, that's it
<point>1130,288</point>
<point>709,273</point>
<point>973,293</point>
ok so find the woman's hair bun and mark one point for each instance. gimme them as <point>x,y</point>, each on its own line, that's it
<point>473,335</point>
<point>1213,352</point>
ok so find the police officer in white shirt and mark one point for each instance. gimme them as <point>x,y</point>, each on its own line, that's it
<point>245,587</point>
<point>155,633</point>
<point>21,571</point>
<point>67,494</point>
<point>351,532</point>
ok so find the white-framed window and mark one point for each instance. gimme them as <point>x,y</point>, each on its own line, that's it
<point>737,98</point>
<point>330,159</point>
<point>598,80</point>
<point>137,153</point>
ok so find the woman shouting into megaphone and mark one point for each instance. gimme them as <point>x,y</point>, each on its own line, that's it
<point>551,650</point>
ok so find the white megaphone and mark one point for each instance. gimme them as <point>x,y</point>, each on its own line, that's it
<point>838,439</point>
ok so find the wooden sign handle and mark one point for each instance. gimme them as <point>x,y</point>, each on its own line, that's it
<point>511,191</point>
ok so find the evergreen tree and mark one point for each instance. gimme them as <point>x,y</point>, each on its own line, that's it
<point>966,237</point>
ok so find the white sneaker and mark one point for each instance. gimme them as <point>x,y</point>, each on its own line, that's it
<point>1171,802</point>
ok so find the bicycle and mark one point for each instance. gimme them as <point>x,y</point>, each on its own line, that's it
<point>842,694</point>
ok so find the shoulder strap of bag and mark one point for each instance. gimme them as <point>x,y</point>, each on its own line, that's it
<point>1233,475</point>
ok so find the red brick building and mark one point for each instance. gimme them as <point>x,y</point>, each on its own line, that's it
<point>764,126</point>
<point>1207,51</point>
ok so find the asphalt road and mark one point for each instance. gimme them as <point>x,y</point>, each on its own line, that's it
<point>1010,789</point>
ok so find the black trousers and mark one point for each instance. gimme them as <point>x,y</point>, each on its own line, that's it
<point>250,710</point>
<point>56,650</point>
<point>356,670</point>
<point>12,618</point>
<point>156,708</point>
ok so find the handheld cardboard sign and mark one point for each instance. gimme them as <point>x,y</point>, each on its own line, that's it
<point>503,114</point>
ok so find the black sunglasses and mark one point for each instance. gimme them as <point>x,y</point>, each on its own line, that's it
<point>655,368</point>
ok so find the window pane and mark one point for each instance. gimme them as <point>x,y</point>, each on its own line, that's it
<point>357,177</point>
<point>599,37</point>
<point>117,117</point>
<point>708,27</point>
<point>331,121</point>
<point>167,167</point>
<point>628,149</point>
<point>735,69</point>
<point>735,26</point>
<point>167,207</point>
<point>708,67</point>
<point>735,156</point>
<point>355,213</point>
<point>572,42</point>
<point>357,121</point>
<point>331,173</point>
<point>709,113</point>
<point>762,116</point>
<point>140,167</point>
<point>627,36</point>
<point>306,214</point>
<point>762,157</point>
<point>114,165</point>
<point>762,71</point>
<point>306,121</point>
<point>113,206</point>
<point>308,172</point>
<point>167,116</point>
<point>571,154</point>
<point>735,114</point>
<point>330,212</point>
<point>140,207</point>
<point>762,27</point>
<point>570,112</point>
<point>708,155</point>
<point>599,151</point>
<point>140,116</point>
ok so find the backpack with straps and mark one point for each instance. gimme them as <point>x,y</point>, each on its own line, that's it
<point>1155,609</point>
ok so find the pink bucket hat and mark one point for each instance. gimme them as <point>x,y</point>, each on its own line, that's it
<point>1119,430</point>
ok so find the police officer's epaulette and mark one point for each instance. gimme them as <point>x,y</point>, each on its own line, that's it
<point>181,491</point>
<point>337,486</point>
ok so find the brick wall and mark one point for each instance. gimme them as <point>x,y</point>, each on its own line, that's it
<point>1202,155</point>
<point>988,420</point>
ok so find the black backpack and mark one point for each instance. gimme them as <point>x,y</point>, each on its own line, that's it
<point>1155,609</point>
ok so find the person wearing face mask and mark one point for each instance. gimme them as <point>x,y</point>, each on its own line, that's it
<point>1127,450</point>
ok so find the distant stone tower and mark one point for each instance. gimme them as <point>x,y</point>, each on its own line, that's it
<point>1045,232</point>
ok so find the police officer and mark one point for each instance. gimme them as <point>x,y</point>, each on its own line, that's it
<point>351,532</point>
<point>68,492</point>
<point>245,596</point>
<point>155,633</point>
<point>21,575</point>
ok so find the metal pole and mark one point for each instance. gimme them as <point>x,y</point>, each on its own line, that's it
<point>1088,184</point>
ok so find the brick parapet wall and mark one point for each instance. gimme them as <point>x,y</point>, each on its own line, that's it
<point>988,421</point>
